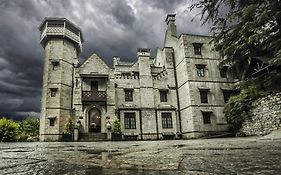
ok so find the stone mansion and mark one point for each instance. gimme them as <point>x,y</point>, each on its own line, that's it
<point>181,92</point>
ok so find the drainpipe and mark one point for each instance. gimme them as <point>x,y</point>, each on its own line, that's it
<point>157,129</point>
<point>177,92</point>
<point>72,89</point>
<point>140,124</point>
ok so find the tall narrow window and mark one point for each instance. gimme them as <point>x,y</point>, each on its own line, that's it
<point>226,95</point>
<point>197,48</point>
<point>203,96</point>
<point>55,65</point>
<point>163,96</point>
<point>128,94</point>
<point>223,72</point>
<point>94,85</point>
<point>130,120</point>
<point>77,83</point>
<point>200,69</point>
<point>52,121</point>
<point>53,91</point>
<point>167,120</point>
<point>206,117</point>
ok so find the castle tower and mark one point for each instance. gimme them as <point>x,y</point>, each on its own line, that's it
<point>62,41</point>
<point>171,23</point>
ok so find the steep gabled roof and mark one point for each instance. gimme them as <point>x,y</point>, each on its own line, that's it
<point>94,64</point>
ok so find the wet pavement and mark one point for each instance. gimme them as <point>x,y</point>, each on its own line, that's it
<point>250,155</point>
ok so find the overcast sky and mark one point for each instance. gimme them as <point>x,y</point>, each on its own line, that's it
<point>109,27</point>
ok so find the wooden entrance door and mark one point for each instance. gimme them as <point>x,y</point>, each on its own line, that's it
<point>94,120</point>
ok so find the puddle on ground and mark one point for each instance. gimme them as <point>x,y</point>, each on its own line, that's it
<point>92,151</point>
<point>17,151</point>
<point>69,169</point>
<point>179,146</point>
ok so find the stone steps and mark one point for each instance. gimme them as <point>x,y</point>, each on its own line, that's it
<point>92,137</point>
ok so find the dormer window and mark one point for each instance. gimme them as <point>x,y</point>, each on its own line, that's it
<point>197,48</point>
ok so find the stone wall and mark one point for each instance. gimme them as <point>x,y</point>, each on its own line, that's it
<point>266,116</point>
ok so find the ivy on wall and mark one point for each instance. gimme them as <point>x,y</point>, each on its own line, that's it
<point>237,110</point>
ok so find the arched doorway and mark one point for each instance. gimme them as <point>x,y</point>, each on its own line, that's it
<point>94,120</point>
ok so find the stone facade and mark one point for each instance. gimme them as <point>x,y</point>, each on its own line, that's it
<point>265,116</point>
<point>180,92</point>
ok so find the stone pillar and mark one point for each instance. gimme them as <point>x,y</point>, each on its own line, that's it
<point>108,135</point>
<point>108,127</point>
<point>76,134</point>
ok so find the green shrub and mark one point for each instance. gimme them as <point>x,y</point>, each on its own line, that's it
<point>69,125</point>
<point>29,130</point>
<point>241,134</point>
<point>237,109</point>
<point>116,128</point>
<point>23,137</point>
<point>9,130</point>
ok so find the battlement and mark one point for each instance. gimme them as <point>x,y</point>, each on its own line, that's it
<point>170,17</point>
<point>143,52</point>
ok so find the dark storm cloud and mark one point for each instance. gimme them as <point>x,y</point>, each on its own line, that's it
<point>21,66</point>
<point>166,5</point>
<point>25,9</point>
<point>116,27</point>
<point>121,11</point>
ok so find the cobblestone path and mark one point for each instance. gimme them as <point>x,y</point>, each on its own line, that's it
<point>206,156</point>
